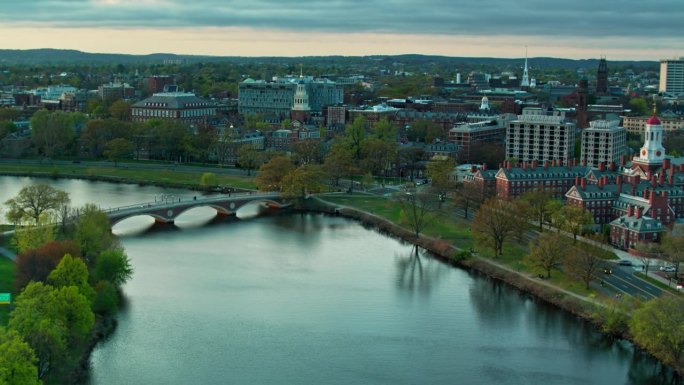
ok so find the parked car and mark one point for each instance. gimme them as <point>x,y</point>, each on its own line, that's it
<point>625,262</point>
<point>667,269</point>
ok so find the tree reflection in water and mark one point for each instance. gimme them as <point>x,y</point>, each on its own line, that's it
<point>417,272</point>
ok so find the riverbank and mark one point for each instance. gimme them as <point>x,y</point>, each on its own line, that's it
<point>588,309</point>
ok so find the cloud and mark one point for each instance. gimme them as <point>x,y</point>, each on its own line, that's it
<point>654,19</point>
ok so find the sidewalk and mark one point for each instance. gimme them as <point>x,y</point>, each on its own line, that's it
<point>12,257</point>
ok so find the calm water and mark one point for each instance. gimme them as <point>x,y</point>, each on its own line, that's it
<point>310,299</point>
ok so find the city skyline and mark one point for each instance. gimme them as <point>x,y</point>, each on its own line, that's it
<point>617,29</point>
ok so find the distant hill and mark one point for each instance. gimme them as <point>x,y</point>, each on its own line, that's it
<point>57,56</point>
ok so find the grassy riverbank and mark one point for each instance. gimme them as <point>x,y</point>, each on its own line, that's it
<point>164,176</point>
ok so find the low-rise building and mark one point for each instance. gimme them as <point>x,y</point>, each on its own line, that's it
<point>179,106</point>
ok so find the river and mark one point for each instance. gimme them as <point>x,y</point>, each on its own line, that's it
<point>311,299</point>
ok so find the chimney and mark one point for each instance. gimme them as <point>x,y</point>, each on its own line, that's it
<point>500,166</point>
<point>600,183</point>
<point>638,212</point>
<point>473,168</point>
<point>574,162</point>
<point>622,161</point>
<point>670,176</point>
<point>651,197</point>
<point>508,165</point>
<point>484,167</point>
<point>546,165</point>
<point>666,163</point>
<point>534,164</point>
<point>618,181</point>
<point>524,165</point>
<point>645,193</point>
<point>584,162</point>
<point>653,181</point>
<point>583,183</point>
<point>661,178</point>
<point>577,180</point>
<point>630,210</point>
<point>600,166</point>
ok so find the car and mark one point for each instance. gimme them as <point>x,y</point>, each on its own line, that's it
<point>607,270</point>
<point>667,269</point>
<point>625,262</point>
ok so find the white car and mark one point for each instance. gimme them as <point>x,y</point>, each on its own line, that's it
<point>667,269</point>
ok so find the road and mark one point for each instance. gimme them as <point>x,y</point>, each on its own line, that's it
<point>624,280</point>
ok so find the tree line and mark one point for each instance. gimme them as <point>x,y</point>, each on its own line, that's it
<point>68,275</point>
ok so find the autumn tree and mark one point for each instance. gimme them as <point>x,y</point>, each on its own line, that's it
<point>657,326</point>
<point>36,264</point>
<point>33,234</point>
<point>272,173</point>
<point>439,171</point>
<point>547,252</point>
<point>378,155</point>
<point>17,360</point>
<point>355,135</point>
<point>52,132</point>
<point>385,131</point>
<point>120,110</point>
<point>497,222</point>
<point>301,181</point>
<point>34,200</point>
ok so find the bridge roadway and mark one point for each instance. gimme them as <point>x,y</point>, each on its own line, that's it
<point>167,211</point>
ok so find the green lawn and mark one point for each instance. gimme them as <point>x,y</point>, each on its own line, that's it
<point>167,175</point>
<point>6,285</point>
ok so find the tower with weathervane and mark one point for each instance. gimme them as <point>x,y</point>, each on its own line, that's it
<point>652,152</point>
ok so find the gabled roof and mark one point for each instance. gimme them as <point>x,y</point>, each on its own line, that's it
<point>640,225</point>
<point>541,173</point>
<point>173,100</point>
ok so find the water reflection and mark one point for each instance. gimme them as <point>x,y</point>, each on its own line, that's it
<point>494,304</point>
<point>416,271</point>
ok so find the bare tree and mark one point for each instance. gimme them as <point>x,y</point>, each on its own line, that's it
<point>547,252</point>
<point>497,222</point>
<point>417,210</point>
<point>584,261</point>
<point>469,196</point>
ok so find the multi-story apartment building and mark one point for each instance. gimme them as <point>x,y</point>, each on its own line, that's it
<point>603,142</point>
<point>180,106</point>
<point>113,91</point>
<point>540,135</point>
<point>672,76</point>
<point>637,124</point>
<point>275,100</point>
<point>464,136</point>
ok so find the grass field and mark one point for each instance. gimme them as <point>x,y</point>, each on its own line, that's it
<point>6,285</point>
<point>167,175</point>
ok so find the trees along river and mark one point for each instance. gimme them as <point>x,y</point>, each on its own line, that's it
<point>315,299</point>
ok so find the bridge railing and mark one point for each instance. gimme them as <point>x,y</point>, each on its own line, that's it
<point>172,203</point>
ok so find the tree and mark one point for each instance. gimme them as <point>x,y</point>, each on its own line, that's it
<point>339,163</point>
<point>417,211</point>
<point>439,171</point>
<point>574,219</point>
<point>539,202</point>
<point>385,131</point>
<point>468,196</point>
<point>673,245</point>
<point>657,326</point>
<point>36,264</point>
<point>425,131</point>
<point>496,223</point>
<point>52,132</point>
<point>117,149</point>
<point>72,272</point>
<point>249,157</point>
<point>34,200</point>
<point>106,298</point>
<point>547,252</point>
<point>93,231</point>
<point>378,155</point>
<point>120,110</point>
<point>410,157</point>
<point>584,261</point>
<point>355,135</point>
<point>271,174</point>
<point>114,266</point>
<point>33,234</point>
<point>208,179</point>
<point>302,181</point>
<point>17,360</point>
<point>648,251</point>
<point>306,151</point>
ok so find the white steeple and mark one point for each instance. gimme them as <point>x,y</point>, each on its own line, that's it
<point>525,82</point>
<point>301,98</point>
<point>652,152</point>
<point>484,105</point>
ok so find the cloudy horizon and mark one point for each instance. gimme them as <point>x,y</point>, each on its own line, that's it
<point>617,29</point>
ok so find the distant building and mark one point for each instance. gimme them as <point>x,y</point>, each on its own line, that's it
<point>542,136</point>
<point>603,142</point>
<point>602,77</point>
<point>275,100</point>
<point>114,91</point>
<point>464,136</point>
<point>637,124</point>
<point>180,106</point>
<point>672,76</point>
<point>551,177</point>
<point>157,83</point>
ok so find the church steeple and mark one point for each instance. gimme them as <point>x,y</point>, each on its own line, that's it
<point>525,82</point>
<point>652,152</point>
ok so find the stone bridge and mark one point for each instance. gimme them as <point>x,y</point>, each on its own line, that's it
<point>167,212</point>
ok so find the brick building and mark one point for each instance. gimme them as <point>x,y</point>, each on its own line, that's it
<point>180,106</point>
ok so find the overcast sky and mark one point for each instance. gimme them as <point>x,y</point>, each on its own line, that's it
<point>617,29</point>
